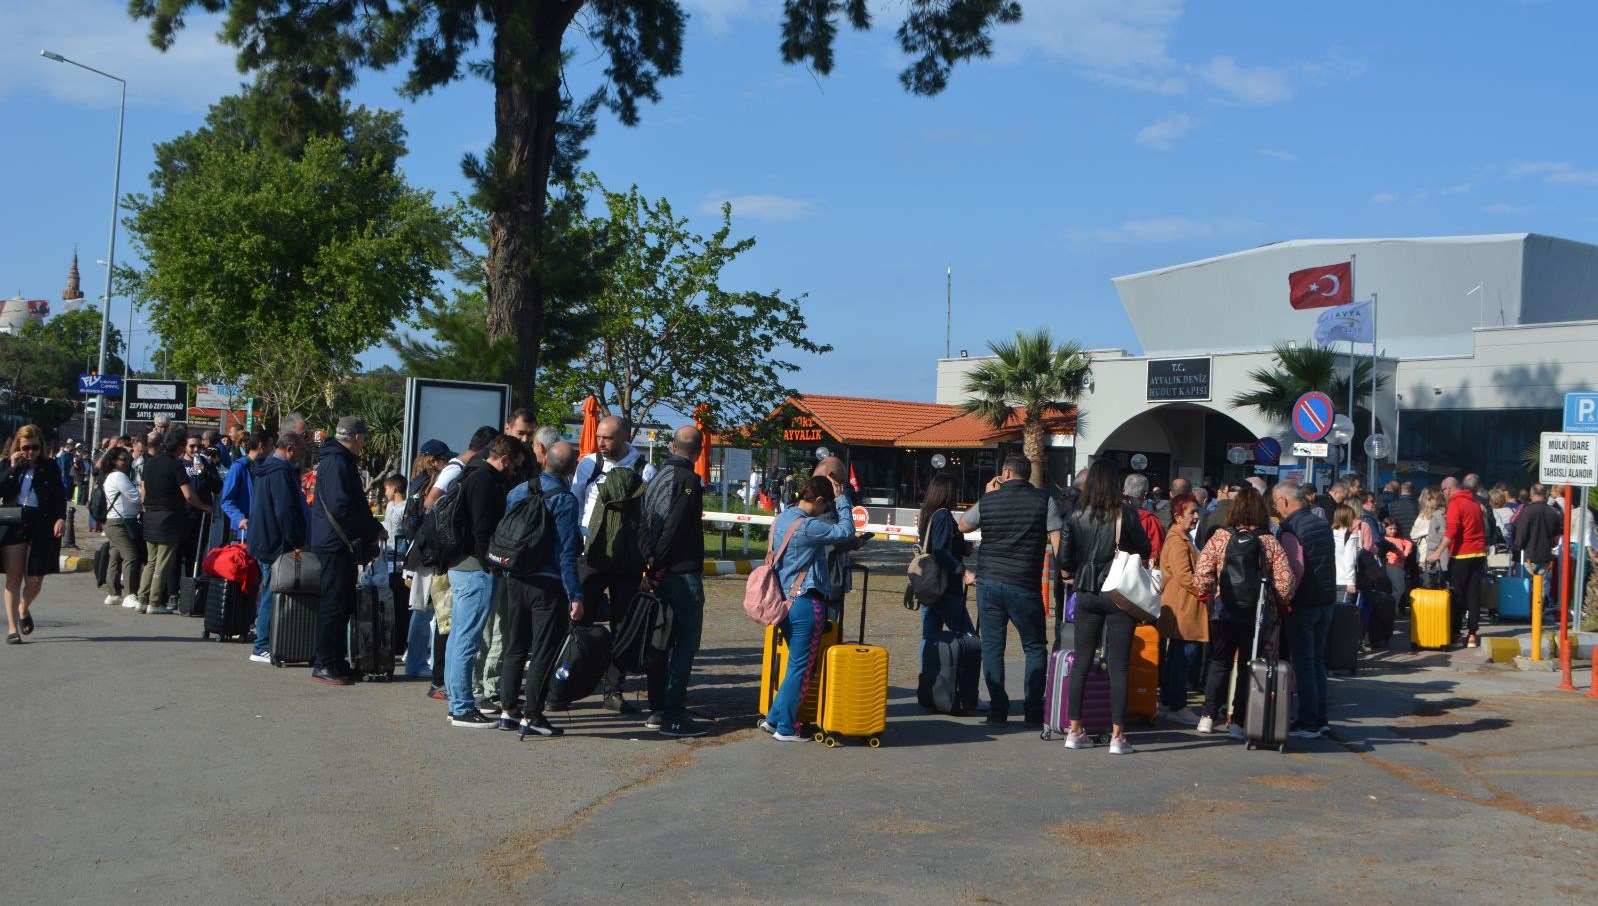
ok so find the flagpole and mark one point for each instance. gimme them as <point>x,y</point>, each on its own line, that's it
<point>1353,295</point>
<point>1370,461</point>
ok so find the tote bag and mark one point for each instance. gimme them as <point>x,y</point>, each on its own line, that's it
<point>1133,587</point>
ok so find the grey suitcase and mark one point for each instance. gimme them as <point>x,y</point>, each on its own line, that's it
<point>293,632</point>
<point>1270,690</point>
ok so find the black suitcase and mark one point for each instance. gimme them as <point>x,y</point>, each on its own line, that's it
<point>102,564</point>
<point>1383,611</point>
<point>579,666</point>
<point>372,635</point>
<point>951,667</point>
<point>229,613</point>
<point>293,632</point>
<point>194,596</point>
<point>1342,639</point>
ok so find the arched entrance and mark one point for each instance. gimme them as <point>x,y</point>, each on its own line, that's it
<point>1187,440</point>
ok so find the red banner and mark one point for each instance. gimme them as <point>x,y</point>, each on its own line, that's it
<point>1321,287</point>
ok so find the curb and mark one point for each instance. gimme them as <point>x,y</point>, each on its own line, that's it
<point>75,564</point>
<point>730,567</point>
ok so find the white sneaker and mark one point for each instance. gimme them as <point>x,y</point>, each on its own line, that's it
<point>1305,733</point>
<point>131,602</point>
<point>1206,725</point>
<point>1119,746</point>
<point>261,658</point>
<point>1078,741</point>
<point>788,737</point>
<point>1184,716</point>
<point>1236,732</point>
<point>112,600</point>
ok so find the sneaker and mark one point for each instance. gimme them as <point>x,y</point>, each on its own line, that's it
<point>259,658</point>
<point>330,677</point>
<point>510,721</point>
<point>1119,746</point>
<point>682,727</point>
<point>131,602</point>
<point>113,600</point>
<point>1183,716</point>
<point>655,720</point>
<point>487,708</point>
<point>1236,732</point>
<point>538,727</point>
<point>1078,741</point>
<point>157,610</point>
<point>436,693</point>
<point>615,701</point>
<point>1206,725</point>
<point>781,737</point>
<point>1305,733</point>
<point>471,720</point>
<point>766,728</point>
<point>1471,642</point>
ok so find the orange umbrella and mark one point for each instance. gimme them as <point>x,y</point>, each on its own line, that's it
<point>702,422</point>
<point>588,441</point>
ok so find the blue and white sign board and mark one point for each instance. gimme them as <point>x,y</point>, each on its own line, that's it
<point>100,384</point>
<point>1312,416</point>
<point>1581,413</point>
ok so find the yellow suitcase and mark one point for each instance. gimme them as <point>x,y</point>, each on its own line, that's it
<point>854,694</point>
<point>1430,623</point>
<point>774,667</point>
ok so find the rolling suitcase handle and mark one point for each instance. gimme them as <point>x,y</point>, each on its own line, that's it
<point>865,589</point>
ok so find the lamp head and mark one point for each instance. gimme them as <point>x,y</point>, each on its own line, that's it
<point>51,55</point>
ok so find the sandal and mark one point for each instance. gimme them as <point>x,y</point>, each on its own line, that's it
<point>26,622</point>
<point>13,639</point>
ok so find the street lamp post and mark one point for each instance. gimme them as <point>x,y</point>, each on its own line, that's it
<point>111,252</point>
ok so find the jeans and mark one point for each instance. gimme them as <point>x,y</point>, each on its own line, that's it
<point>999,603</point>
<point>684,593</point>
<point>1228,640</point>
<point>263,611</point>
<point>490,660</point>
<point>1096,614</point>
<point>333,614</point>
<point>805,617</point>
<point>418,644</point>
<point>1308,627</point>
<point>127,555</point>
<point>153,589</point>
<point>537,617</point>
<point>474,597</point>
<point>1465,578</point>
<point>1173,673</point>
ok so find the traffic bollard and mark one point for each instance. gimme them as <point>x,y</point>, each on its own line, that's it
<point>1536,616</point>
<point>69,532</point>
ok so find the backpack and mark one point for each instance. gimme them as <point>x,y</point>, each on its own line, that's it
<point>639,645</point>
<point>1368,570</point>
<point>524,540</point>
<point>929,578</point>
<point>99,507</point>
<point>764,601</point>
<point>415,507</point>
<point>1243,573</point>
<point>451,531</point>
<point>1491,532</point>
<point>613,527</point>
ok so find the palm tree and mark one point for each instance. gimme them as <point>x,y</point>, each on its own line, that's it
<point>1034,375</point>
<point>1304,368</point>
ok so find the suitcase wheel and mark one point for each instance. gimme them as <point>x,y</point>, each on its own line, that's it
<point>820,736</point>
<point>832,742</point>
<point>874,742</point>
<point>1045,736</point>
<point>1282,748</point>
<point>1249,746</point>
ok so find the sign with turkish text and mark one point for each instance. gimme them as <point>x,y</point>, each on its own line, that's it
<point>861,517</point>
<point>1568,459</point>
<point>147,399</point>
<point>100,384</point>
<point>1308,451</point>
<point>802,429</point>
<point>218,396</point>
<point>736,464</point>
<point>1170,380</point>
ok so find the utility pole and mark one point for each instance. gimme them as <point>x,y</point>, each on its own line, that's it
<point>948,311</point>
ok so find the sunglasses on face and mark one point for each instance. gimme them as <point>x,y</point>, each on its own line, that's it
<point>29,448</point>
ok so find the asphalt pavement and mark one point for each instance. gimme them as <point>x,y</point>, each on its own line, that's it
<point>144,765</point>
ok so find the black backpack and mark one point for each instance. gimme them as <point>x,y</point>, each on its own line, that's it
<point>99,507</point>
<point>524,540</point>
<point>451,539</point>
<point>415,507</point>
<point>639,645</point>
<point>1243,573</point>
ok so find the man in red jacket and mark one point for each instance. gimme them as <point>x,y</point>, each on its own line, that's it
<point>1465,537</point>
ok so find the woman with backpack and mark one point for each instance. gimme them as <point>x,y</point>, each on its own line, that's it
<point>1240,558</point>
<point>946,545</point>
<point>1184,621</point>
<point>122,528</point>
<point>1102,524</point>
<point>1345,541</point>
<point>802,571</point>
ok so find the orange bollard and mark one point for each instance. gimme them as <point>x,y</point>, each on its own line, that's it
<point>1048,573</point>
<point>1536,617</point>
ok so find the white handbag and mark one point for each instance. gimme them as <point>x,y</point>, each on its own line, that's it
<point>1133,587</point>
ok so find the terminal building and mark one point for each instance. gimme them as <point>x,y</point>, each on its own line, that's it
<point>1478,338</point>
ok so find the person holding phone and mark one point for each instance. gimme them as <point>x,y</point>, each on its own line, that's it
<point>34,505</point>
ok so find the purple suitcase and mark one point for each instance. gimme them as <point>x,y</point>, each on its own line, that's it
<point>1057,695</point>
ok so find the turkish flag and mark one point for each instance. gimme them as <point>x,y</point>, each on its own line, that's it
<point>1321,287</point>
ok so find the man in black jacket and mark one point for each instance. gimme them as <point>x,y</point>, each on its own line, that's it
<point>472,583</point>
<point>1536,533</point>
<point>343,534</point>
<point>278,522</point>
<point>674,554</point>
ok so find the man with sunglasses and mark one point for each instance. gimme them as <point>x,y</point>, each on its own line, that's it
<point>206,481</point>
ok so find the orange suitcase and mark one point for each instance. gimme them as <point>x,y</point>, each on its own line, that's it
<point>1143,674</point>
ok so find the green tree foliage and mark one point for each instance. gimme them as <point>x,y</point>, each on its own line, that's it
<point>538,128</point>
<point>42,362</point>
<point>77,333</point>
<point>671,335</point>
<point>1304,368</point>
<point>283,266</point>
<point>1034,375</point>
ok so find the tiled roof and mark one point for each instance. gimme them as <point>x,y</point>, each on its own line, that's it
<point>857,420</point>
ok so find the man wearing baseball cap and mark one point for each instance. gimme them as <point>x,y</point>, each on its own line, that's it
<point>342,526</point>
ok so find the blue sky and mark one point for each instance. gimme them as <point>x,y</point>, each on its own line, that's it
<point>1103,138</point>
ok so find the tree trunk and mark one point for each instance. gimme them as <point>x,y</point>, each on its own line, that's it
<point>527,106</point>
<point>1032,446</point>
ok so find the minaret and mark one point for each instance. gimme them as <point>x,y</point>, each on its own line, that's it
<point>72,296</point>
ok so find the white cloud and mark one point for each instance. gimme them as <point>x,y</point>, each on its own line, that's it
<point>1556,173</point>
<point>720,14</point>
<point>1502,208</point>
<point>1163,133</point>
<point>100,33</point>
<point>1165,229</point>
<point>1460,189</point>
<point>1278,154</point>
<point>766,208</point>
<point>1245,84</point>
<point>1383,197</point>
<point>1124,38</point>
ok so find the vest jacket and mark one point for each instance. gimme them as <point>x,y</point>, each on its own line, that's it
<point>1014,531</point>
<point>1318,586</point>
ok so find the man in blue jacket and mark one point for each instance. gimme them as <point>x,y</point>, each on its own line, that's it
<point>278,520</point>
<point>236,486</point>
<point>343,534</point>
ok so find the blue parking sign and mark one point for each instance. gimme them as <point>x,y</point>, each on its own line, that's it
<point>1581,413</point>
